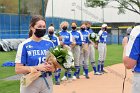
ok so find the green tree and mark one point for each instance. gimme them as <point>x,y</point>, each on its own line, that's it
<point>26,6</point>
<point>32,6</point>
<point>123,5</point>
<point>9,6</point>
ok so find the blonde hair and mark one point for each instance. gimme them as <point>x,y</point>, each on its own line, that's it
<point>51,28</point>
<point>64,22</point>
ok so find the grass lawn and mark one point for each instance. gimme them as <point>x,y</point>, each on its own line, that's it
<point>114,56</point>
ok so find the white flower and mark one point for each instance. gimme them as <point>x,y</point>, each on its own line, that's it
<point>67,65</point>
<point>93,35</point>
<point>56,48</point>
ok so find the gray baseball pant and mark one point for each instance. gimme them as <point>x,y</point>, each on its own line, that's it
<point>136,83</point>
<point>38,86</point>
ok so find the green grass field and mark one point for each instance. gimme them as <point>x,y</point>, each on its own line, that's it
<point>114,56</point>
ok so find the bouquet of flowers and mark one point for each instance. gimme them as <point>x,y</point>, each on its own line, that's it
<point>64,57</point>
<point>94,37</point>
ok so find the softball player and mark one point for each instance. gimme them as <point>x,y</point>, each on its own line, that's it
<point>131,57</point>
<point>51,36</point>
<point>92,50</point>
<point>126,38</point>
<point>102,47</point>
<point>65,39</point>
<point>76,49</point>
<point>84,52</point>
<point>32,53</point>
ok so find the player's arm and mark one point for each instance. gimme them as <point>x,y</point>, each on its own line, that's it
<point>128,62</point>
<point>131,52</point>
<point>21,69</point>
<point>124,41</point>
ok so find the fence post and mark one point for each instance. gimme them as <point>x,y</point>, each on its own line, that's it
<point>19,17</point>
<point>118,36</point>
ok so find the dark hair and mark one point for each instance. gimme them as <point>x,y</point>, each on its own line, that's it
<point>52,24</point>
<point>33,21</point>
<point>83,23</point>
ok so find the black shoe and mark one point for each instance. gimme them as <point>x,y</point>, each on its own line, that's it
<point>57,83</point>
<point>87,77</point>
<point>103,72</point>
<point>78,77</point>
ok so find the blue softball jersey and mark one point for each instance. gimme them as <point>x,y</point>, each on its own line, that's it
<point>85,35</point>
<point>66,37</point>
<point>90,31</point>
<point>77,36</point>
<point>133,47</point>
<point>54,39</point>
<point>103,36</point>
<point>32,53</point>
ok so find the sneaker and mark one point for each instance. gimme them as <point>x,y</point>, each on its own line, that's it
<point>84,73</point>
<point>57,83</point>
<point>87,77</point>
<point>97,73</point>
<point>64,78</point>
<point>78,77</point>
<point>74,78</point>
<point>104,71</point>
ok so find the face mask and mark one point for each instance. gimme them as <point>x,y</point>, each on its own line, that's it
<point>105,29</point>
<point>73,27</point>
<point>40,32</point>
<point>51,33</point>
<point>88,28</point>
<point>64,28</point>
<point>83,29</point>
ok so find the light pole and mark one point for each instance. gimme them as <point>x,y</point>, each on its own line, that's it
<point>74,14</point>
<point>73,4</point>
<point>102,12</point>
<point>81,11</point>
<point>52,11</point>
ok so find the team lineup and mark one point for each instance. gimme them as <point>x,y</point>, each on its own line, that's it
<point>82,47</point>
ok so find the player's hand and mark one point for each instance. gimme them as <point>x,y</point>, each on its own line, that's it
<point>42,67</point>
<point>96,46</point>
<point>61,43</point>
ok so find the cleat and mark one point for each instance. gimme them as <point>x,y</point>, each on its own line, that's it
<point>64,78</point>
<point>74,78</point>
<point>84,73</point>
<point>104,71</point>
<point>97,73</point>
<point>87,77</point>
<point>78,77</point>
<point>57,83</point>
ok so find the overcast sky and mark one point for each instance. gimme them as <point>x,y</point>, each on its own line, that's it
<point>63,8</point>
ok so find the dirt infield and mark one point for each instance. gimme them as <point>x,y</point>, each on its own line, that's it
<point>110,82</point>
